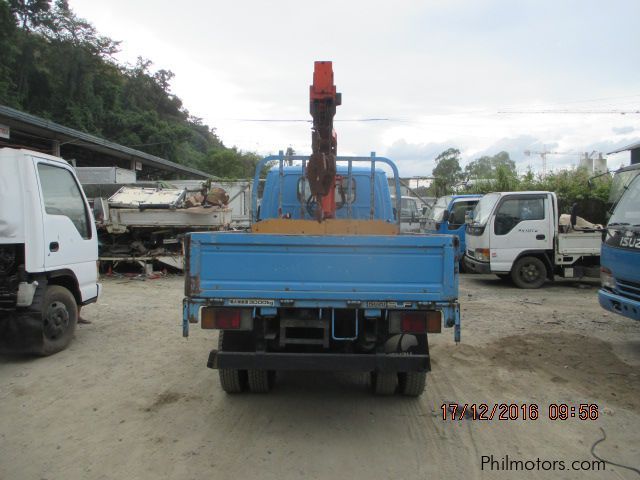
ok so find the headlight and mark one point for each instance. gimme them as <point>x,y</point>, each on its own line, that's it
<point>606,279</point>
<point>482,254</point>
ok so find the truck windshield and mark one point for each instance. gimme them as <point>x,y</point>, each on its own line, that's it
<point>621,181</point>
<point>484,208</point>
<point>438,208</point>
<point>627,212</point>
<point>409,207</point>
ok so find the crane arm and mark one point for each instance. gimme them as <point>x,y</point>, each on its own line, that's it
<point>321,169</point>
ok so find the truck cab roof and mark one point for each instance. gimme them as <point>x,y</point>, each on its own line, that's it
<point>525,192</point>
<point>466,195</point>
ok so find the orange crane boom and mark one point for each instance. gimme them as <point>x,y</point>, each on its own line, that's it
<point>321,169</point>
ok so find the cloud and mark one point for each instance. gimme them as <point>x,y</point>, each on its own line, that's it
<point>442,69</point>
<point>623,130</point>
<point>416,159</point>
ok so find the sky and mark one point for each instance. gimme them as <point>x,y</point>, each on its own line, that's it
<point>445,73</point>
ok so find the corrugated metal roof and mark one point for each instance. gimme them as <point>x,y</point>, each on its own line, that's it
<point>633,146</point>
<point>15,118</point>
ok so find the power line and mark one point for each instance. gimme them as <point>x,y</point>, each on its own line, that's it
<point>574,112</point>
<point>296,120</point>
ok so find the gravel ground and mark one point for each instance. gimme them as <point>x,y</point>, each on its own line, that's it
<point>131,398</point>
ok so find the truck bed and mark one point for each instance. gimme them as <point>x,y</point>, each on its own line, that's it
<point>579,243</point>
<point>252,268</point>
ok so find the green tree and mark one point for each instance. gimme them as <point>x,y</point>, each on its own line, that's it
<point>30,13</point>
<point>487,166</point>
<point>447,171</point>
<point>57,65</point>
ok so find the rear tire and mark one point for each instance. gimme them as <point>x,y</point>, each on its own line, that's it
<point>59,319</point>
<point>384,383</point>
<point>529,272</point>
<point>261,381</point>
<point>412,384</point>
<point>231,380</point>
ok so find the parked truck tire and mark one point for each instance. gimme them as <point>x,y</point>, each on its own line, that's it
<point>261,381</point>
<point>529,272</point>
<point>231,380</point>
<point>59,319</point>
<point>384,383</point>
<point>412,384</point>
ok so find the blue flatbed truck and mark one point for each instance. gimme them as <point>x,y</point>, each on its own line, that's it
<point>345,294</point>
<point>620,254</point>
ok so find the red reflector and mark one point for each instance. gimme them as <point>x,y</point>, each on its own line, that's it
<point>414,322</point>
<point>421,322</point>
<point>221,318</point>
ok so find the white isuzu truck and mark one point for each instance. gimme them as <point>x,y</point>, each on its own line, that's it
<point>48,252</point>
<point>521,236</point>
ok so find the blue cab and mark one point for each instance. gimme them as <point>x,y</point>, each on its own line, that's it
<point>620,254</point>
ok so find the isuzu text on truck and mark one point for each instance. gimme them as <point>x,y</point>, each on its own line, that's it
<point>323,281</point>
<point>48,252</point>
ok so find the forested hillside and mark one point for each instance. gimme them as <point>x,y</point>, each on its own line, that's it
<point>56,65</point>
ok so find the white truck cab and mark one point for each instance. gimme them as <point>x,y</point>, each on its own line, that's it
<point>48,252</point>
<point>518,235</point>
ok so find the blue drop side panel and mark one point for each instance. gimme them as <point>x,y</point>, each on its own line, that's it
<point>247,265</point>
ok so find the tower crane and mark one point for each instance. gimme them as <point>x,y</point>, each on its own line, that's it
<point>544,152</point>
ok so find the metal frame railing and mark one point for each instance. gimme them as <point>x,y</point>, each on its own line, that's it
<point>281,157</point>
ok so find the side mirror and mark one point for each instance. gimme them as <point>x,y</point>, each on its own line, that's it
<point>445,215</point>
<point>395,213</point>
<point>574,215</point>
<point>468,216</point>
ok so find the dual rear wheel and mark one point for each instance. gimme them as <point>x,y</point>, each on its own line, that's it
<point>237,381</point>
<point>411,384</point>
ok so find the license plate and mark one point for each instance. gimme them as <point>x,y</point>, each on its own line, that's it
<point>252,302</point>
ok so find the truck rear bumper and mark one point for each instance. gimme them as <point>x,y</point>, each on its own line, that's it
<point>475,266</point>
<point>619,304</point>
<point>319,361</point>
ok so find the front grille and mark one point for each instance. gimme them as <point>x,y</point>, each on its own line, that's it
<point>628,289</point>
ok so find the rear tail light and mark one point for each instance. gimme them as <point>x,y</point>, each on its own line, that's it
<point>221,318</point>
<point>421,322</point>
<point>414,322</point>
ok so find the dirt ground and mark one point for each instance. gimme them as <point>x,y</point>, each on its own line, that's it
<point>131,398</point>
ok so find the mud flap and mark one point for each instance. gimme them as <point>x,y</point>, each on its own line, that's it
<point>21,332</point>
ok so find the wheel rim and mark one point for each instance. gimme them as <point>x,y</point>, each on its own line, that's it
<point>56,320</point>
<point>530,273</point>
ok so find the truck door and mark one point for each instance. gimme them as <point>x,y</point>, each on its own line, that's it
<point>455,224</point>
<point>69,233</point>
<point>521,223</point>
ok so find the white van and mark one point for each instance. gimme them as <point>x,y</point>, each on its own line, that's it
<point>48,252</point>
